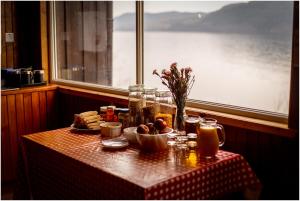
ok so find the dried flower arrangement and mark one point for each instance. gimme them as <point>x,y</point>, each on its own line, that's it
<point>180,83</point>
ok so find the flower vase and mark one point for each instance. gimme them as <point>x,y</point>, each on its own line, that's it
<point>179,119</point>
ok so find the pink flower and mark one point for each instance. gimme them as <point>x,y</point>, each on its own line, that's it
<point>188,69</point>
<point>167,72</point>
<point>173,65</point>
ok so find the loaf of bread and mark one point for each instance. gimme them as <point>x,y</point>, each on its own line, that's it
<point>87,120</point>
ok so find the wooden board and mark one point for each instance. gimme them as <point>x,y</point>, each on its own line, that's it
<point>35,112</point>
<point>6,159</point>
<point>12,121</point>
<point>43,110</point>
<point>28,113</point>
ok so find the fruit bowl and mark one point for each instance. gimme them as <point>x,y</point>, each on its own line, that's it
<point>154,142</point>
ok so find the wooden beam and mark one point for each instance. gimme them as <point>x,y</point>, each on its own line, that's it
<point>44,39</point>
<point>294,90</point>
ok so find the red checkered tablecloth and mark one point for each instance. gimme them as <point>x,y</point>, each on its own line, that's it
<point>66,165</point>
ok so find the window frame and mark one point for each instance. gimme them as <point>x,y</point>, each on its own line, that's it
<point>197,104</point>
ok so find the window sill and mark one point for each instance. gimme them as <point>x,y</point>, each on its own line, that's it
<point>263,126</point>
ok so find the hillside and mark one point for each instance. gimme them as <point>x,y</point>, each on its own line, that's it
<point>252,18</point>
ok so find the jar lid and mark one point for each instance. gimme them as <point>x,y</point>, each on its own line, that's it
<point>163,93</point>
<point>123,110</point>
<point>150,90</point>
<point>137,87</point>
<point>192,135</point>
<point>111,107</point>
<point>103,108</point>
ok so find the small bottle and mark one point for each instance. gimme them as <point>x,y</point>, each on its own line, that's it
<point>123,117</point>
<point>103,110</point>
<point>110,113</point>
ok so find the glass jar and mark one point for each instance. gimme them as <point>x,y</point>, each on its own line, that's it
<point>149,105</point>
<point>135,104</point>
<point>123,117</point>
<point>103,110</point>
<point>164,107</point>
<point>110,113</point>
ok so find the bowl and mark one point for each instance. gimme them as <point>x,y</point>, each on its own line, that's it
<point>154,143</point>
<point>130,134</point>
<point>110,129</point>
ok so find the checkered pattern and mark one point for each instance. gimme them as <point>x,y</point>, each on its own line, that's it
<point>66,165</point>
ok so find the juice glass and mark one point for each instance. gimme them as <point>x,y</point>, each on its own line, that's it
<point>211,136</point>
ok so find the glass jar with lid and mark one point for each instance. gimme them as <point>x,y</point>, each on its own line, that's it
<point>149,105</point>
<point>165,107</point>
<point>135,104</point>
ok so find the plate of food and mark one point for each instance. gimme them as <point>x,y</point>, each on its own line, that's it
<point>87,121</point>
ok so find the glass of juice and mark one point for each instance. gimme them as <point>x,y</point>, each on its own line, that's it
<point>211,136</point>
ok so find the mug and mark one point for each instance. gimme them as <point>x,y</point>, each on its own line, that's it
<point>38,76</point>
<point>210,137</point>
<point>26,77</point>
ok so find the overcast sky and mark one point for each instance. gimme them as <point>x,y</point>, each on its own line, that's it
<point>121,7</point>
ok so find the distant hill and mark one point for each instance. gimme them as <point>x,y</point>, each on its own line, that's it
<point>253,18</point>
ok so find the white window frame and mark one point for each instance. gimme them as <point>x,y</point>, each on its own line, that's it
<point>229,109</point>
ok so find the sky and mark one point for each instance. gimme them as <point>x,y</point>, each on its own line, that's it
<point>121,7</point>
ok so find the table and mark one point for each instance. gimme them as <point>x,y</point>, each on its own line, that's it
<point>66,165</point>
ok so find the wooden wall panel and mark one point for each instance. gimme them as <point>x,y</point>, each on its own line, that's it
<point>35,99</point>
<point>28,112</point>
<point>12,122</point>
<point>23,113</point>
<point>3,46</point>
<point>52,113</point>
<point>20,114</point>
<point>43,110</point>
<point>8,58</point>
<point>6,159</point>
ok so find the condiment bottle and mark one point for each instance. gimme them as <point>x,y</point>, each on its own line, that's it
<point>110,113</point>
<point>123,117</point>
<point>103,110</point>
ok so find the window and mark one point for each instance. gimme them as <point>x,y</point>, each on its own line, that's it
<point>240,52</point>
<point>90,48</point>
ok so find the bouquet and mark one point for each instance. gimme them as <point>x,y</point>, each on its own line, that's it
<point>180,83</point>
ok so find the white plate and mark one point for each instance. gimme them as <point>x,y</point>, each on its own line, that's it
<point>115,143</point>
<point>83,129</point>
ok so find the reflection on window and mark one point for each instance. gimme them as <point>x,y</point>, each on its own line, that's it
<point>88,50</point>
<point>240,52</point>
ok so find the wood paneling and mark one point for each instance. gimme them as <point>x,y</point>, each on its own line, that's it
<point>35,100</point>
<point>8,50</point>
<point>23,112</point>
<point>43,110</point>
<point>6,159</point>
